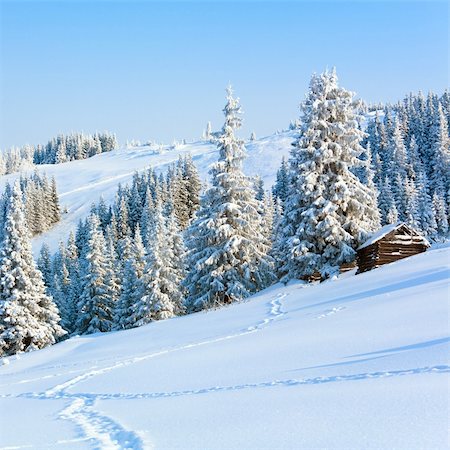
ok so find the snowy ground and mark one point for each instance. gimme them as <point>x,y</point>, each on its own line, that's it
<point>80,183</point>
<point>357,363</point>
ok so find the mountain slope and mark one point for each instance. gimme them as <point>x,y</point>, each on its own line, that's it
<point>361,362</point>
<point>80,183</point>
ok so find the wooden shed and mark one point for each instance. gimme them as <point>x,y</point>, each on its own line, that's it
<point>389,244</point>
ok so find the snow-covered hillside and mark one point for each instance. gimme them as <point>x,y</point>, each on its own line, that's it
<point>360,362</point>
<point>80,183</point>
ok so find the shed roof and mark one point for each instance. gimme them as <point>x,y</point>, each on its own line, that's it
<point>383,231</point>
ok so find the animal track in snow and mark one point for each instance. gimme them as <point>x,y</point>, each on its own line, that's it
<point>330,312</point>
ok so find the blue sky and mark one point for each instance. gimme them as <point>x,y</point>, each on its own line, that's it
<point>158,70</point>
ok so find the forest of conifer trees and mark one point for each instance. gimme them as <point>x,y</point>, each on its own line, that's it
<point>60,149</point>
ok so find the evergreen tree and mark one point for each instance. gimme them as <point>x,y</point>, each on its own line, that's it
<point>397,170</point>
<point>259,188</point>
<point>72,263</point>
<point>158,286</point>
<point>54,209</point>
<point>29,319</point>
<point>122,218</point>
<point>328,212</point>
<point>440,154</point>
<point>440,215</point>
<point>61,289</point>
<point>129,296</point>
<point>193,186</point>
<point>427,221</point>
<point>95,307</point>
<point>386,204</point>
<point>147,217</point>
<point>179,194</point>
<point>281,187</point>
<point>227,250</point>
<point>44,264</point>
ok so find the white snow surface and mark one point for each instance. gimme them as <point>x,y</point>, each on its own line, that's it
<point>80,183</point>
<point>361,362</point>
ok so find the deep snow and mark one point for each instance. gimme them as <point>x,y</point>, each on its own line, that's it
<point>80,183</point>
<point>356,363</point>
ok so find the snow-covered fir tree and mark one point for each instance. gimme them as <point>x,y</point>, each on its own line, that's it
<point>328,211</point>
<point>131,285</point>
<point>281,186</point>
<point>29,319</point>
<point>44,264</point>
<point>159,291</point>
<point>95,306</point>
<point>193,185</point>
<point>227,257</point>
<point>440,215</point>
<point>386,204</point>
<point>61,289</point>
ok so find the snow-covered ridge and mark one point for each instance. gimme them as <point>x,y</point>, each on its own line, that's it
<point>81,183</point>
<point>361,362</point>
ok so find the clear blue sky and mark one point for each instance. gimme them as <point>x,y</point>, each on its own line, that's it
<point>157,70</point>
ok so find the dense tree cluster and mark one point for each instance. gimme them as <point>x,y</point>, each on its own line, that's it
<point>407,148</point>
<point>41,202</point>
<point>125,264</point>
<point>60,149</point>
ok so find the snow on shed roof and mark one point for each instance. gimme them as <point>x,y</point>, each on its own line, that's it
<point>383,231</point>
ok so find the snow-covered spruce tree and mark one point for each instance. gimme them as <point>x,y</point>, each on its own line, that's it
<point>440,215</point>
<point>175,263</point>
<point>440,155</point>
<point>95,306</point>
<point>29,319</point>
<point>258,186</point>
<point>424,204</point>
<point>131,285</point>
<point>61,289</point>
<point>227,250</point>
<point>179,194</point>
<point>160,289</point>
<point>277,234</point>
<point>113,278</point>
<point>147,215</point>
<point>44,264</point>
<point>268,212</point>
<point>386,204</point>
<point>122,217</point>
<point>397,170</point>
<point>328,211</point>
<point>129,296</point>
<point>53,203</point>
<point>412,205</point>
<point>281,186</point>
<point>72,264</point>
<point>193,185</point>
